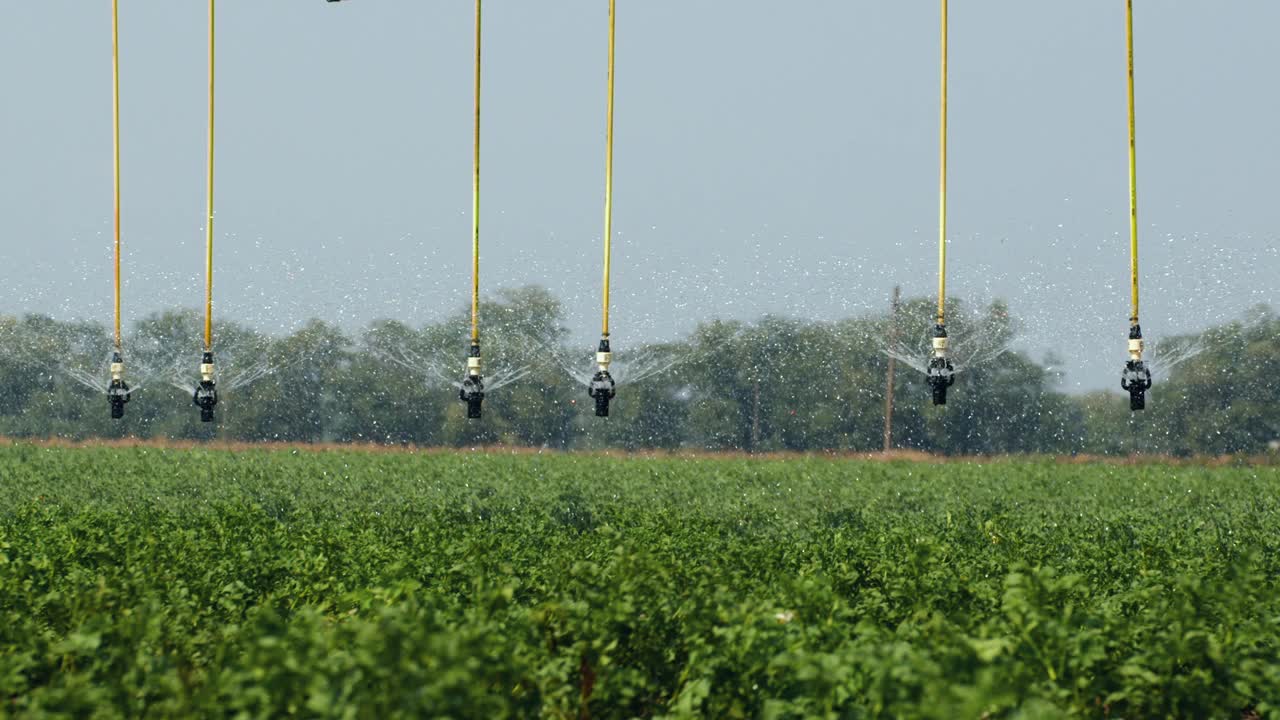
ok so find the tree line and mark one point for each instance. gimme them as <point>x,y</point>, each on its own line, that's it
<point>777,384</point>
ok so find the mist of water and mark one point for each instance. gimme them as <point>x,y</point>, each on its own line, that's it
<point>969,346</point>
<point>231,376</point>
<point>438,369</point>
<point>626,368</point>
<point>1164,356</point>
<point>138,375</point>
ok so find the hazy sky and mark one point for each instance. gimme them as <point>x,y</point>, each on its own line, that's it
<point>770,157</point>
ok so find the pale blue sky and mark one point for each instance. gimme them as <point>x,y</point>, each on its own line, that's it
<point>771,157</point>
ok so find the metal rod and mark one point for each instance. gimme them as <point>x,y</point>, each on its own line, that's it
<point>1133,173</point>
<point>942,181</point>
<point>208,260</point>
<point>608,175</point>
<point>475,199</point>
<point>115,148</point>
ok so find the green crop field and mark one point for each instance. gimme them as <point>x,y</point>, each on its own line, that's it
<point>152,582</point>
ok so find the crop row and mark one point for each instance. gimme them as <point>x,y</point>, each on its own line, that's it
<point>180,583</point>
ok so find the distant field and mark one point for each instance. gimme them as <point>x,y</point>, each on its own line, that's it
<point>163,582</point>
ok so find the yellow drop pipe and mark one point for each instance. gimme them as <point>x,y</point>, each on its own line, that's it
<point>1133,173</point>
<point>942,182</point>
<point>208,261</point>
<point>115,148</point>
<point>608,175</point>
<point>475,201</point>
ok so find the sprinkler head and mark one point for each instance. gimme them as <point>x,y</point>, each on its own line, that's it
<point>118,391</point>
<point>1136,378</point>
<point>602,387</point>
<point>942,374</point>
<point>472,390</point>
<point>206,394</point>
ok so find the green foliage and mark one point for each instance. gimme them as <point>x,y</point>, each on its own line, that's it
<point>1224,400</point>
<point>167,583</point>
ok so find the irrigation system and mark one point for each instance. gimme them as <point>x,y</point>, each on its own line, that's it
<point>1136,378</point>
<point>205,396</point>
<point>939,364</point>
<point>942,372</point>
<point>118,392</point>
<point>602,388</point>
<point>472,390</point>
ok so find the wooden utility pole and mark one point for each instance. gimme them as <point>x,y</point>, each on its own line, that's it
<point>888,394</point>
<point>755,416</point>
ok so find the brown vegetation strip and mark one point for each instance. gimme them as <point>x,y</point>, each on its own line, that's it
<point>894,456</point>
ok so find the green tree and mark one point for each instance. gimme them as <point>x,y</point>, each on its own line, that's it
<point>1227,398</point>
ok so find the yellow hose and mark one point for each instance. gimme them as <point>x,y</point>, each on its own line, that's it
<point>208,261</point>
<point>1133,173</point>
<point>942,182</point>
<point>608,176</point>
<point>475,201</point>
<point>115,147</point>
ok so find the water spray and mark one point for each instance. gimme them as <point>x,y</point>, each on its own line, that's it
<point>942,373</point>
<point>602,387</point>
<point>206,393</point>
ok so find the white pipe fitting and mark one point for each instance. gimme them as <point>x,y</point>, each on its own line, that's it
<point>1135,349</point>
<point>603,359</point>
<point>206,372</point>
<point>940,347</point>
<point>117,371</point>
<point>473,366</point>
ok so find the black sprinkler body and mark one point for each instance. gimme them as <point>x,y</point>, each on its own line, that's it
<point>206,394</point>
<point>472,390</point>
<point>602,388</point>
<point>1136,378</point>
<point>118,391</point>
<point>942,374</point>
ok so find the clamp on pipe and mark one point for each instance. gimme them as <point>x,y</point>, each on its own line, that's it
<point>942,374</point>
<point>118,391</point>
<point>602,387</point>
<point>206,394</point>
<point>1136,378</point>
<point>472,390</point>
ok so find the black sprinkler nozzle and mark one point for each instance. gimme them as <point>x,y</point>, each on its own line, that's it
<point>942,374</point>
<point>472,393</point>
<point>1136,378</point>
<point>118,394</point>
<point>118,391</point>
<point>602,388</point>
<point>472,390</point>
<point>206,394</point>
